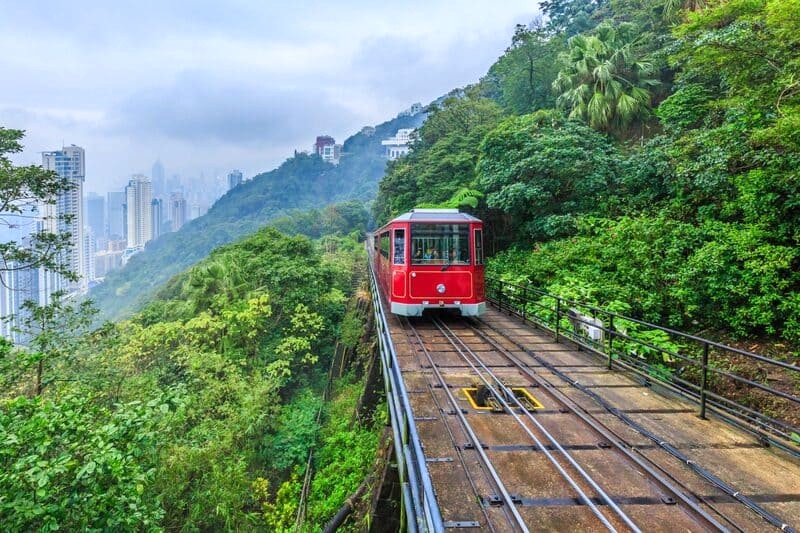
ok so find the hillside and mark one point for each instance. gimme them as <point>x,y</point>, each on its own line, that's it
<point>199,412</point>
<point>301,182</point>
<point>640,156</point>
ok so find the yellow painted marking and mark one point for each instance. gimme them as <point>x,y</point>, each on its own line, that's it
<point>519,392</point>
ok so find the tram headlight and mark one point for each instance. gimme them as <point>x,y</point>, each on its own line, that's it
<point>440,288</point>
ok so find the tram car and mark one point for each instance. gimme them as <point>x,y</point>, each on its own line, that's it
<point>431,259</point>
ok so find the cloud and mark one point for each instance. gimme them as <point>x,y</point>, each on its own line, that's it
<point>205,84</point>
<point>200,107</point>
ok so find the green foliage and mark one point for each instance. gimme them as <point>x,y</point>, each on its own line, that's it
<point>570,16</point>
<point>170,419</point>
<point>521,79</point>
<point>544,174</point>
<point>294,434</point>
<point>606,79</point>
<point>72,464</point>
<point>443,159</point>
<point>717,275</point>
<point>347,452</point>
<point>24,190</point>
<point>53,335</point>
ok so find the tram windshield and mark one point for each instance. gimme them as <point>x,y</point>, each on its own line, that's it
<point>440,244</point>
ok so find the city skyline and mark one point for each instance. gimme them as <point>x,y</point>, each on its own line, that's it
<point>209,87</point>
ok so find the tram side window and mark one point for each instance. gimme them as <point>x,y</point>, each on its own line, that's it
<point>478,247</point>
<point>399,247</point>
<point>440,244</point>
<point>385,244</point>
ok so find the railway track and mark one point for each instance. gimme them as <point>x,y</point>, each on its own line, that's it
<point>542,464</point>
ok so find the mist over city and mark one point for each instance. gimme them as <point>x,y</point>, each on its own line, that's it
<point>207,87</point>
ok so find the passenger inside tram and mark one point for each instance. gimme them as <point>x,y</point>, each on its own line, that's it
<point>440,244</point>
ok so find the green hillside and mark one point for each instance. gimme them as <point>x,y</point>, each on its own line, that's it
<point>642,156</point>
<point>198,413</point>
<point>301,182</point>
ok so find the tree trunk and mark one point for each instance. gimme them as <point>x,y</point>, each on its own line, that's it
<point>39,369</point>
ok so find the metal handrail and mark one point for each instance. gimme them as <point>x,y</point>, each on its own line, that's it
<point>526,301</point>
<point>420,504</point>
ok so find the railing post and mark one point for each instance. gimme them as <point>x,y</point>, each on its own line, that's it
<point>524,301</point>
<point>500,295</point>
<point>703,382</point>
<point>610,339</point>
<point>558,315</point>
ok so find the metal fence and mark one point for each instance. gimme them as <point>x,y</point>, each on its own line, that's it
<point>420,508</point>
<point>700,369</point>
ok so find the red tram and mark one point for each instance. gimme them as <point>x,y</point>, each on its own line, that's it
<point>431,259</point>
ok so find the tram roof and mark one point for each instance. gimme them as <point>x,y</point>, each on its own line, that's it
<point>435,215</point>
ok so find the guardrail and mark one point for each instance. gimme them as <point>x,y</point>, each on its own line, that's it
<point>421,510</point>
<point>685,363</point>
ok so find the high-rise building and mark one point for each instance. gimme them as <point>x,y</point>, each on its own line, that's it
<point>89,252</point>
<point>138,198</point>
<point>157,214</point>
<point>177,210</point>
<point>96,214</point>
<point>116,215</point>
<point>69,163</point>
<point>159,183</point>
<point>234,179</point>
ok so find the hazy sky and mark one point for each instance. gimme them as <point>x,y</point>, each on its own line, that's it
<point>210,86</point>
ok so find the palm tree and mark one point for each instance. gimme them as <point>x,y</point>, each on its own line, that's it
<point>604,80</point>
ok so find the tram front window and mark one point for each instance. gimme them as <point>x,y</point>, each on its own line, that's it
<point>440,244</point>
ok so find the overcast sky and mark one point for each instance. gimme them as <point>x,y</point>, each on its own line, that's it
<point>207,86</point>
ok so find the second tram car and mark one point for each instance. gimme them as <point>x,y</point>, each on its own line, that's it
<point>431,259</point>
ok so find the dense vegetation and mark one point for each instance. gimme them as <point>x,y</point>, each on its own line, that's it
<point>196,413</point>
<point>639,155</point>
<point>302,182</point>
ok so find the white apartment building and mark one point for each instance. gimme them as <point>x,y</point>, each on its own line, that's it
<point>68,213</point>
<point>400,144</point>
<point>138,199</point>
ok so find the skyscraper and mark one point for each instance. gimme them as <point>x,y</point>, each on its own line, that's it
<point>69,162</point>
<point>116,215</point>
<point>89,253</point>
<point>234,179</point>
<point>95,214</point>
<point>157,213</point>
<point>177,210</point>
<point>157,174</point>
<point>138,198</point>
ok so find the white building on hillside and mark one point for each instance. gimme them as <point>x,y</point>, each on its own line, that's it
<point>399,145</point>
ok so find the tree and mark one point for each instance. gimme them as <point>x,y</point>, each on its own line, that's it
<point>543,173</point>
<point>25,192</point>
<point>442,160</point>
<point>52,334</point>
<point>605,80</point>
<point>523,76</point>
<point>570,16</point>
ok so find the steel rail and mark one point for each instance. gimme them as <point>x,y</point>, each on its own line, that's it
<point>471,432</point>
<point>463,462</point>
<point>460,454</point>
<point>731,491</point>
<point>603,431</point>
<point>412,468</point>
<point>581,493</point>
